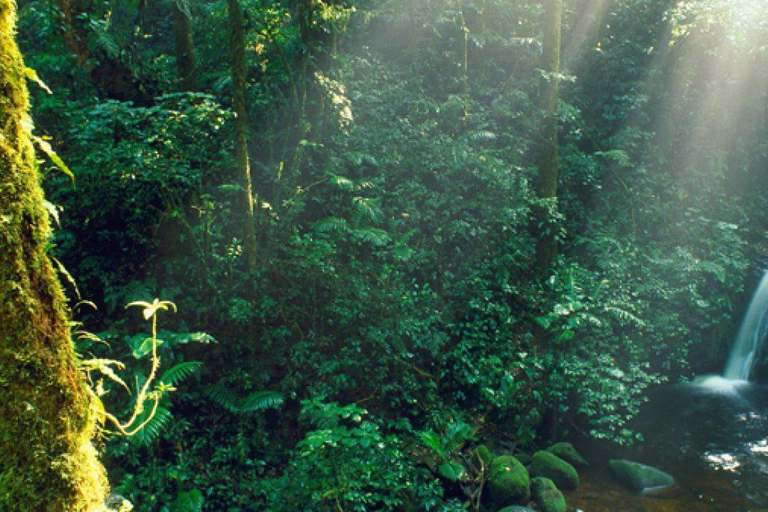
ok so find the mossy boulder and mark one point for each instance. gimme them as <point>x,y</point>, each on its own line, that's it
<point>640,477</point>
<point>568,453</point>
<point>516,508</point>
<point>508,481</point>
<point>483,455</point>
<point>551,466</point>
<point>547,495</point>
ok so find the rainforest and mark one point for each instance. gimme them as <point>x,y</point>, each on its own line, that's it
<point>383,255</point>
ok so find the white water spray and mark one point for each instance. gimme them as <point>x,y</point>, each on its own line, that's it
<point>751,334</point>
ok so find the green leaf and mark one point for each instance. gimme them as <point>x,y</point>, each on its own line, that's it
<point>32,75</point>
<point>46,148</point>
<point>190,501</point>
<point>432,440</point>
<point>141,346</point>
<point>451,470</point>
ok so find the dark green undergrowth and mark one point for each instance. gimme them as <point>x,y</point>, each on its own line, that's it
<point>395,298</point>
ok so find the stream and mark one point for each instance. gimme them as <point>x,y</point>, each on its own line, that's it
<point>712,437</point>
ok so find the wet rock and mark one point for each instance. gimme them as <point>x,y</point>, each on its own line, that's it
<point>568,453</point>
<point>549,465</point>
<point>639,477</point>
<point>547,495</point>
<point>516,508</point>
<point>508,481</point>
<point>759,371</point>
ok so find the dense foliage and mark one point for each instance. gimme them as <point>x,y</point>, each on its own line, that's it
<point>396,316</point>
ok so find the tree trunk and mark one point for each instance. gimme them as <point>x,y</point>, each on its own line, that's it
<point>546,247</point>
<point>110,74</point>
<point>237,43</point>
<point>47,461</point>
<point>185,45</point>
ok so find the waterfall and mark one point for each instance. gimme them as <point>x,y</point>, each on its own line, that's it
<point>751,334</point>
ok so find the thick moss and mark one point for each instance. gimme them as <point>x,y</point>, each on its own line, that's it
<point>547,495</point>
<point>556,469</point>
<point>47,461</point>
<point>508,482</point>
<point>639,476</point>
<point>482,455</point>
<point>568,453</point>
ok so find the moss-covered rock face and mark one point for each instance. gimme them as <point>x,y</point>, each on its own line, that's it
<point>640,477</point>
<point>508,482</point>
<point>547,495</point>
<point>568,453</point>
<point>47,461</point>
<point>556,469</point>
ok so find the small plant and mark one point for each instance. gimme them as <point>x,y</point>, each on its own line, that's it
<point>446,449</point>
<point>147,411</point>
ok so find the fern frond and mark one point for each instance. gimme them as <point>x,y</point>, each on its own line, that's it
<point>179,372</point>
<point>373,236</point>
<point>432,441</point>
<point>154,428</point>
<point>261,400</point>
<point>332,224</point>
<point>451,470</point>
<point>257,401</point>
<point>366,209</point>
<point>224,397</point>
<point>458,434</point>
<point>104,366</point>
<point>626,316</point>
<point>481,136</point>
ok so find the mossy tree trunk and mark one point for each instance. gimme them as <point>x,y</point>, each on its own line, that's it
<point>240,106</point>
<point>546,247</point>
<point>47,461</point>
<point>186,63</point>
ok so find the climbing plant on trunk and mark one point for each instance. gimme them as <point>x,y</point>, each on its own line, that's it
<point>47,461</point>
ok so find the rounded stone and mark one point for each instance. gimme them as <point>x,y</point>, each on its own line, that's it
<point>508,481</point>
<point>548,465</point>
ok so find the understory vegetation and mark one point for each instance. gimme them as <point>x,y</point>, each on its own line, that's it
<point>381,310</point>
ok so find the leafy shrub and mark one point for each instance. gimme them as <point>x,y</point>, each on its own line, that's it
<point>348,463</point>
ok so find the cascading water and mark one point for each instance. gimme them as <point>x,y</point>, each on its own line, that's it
<point>751,335</point>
